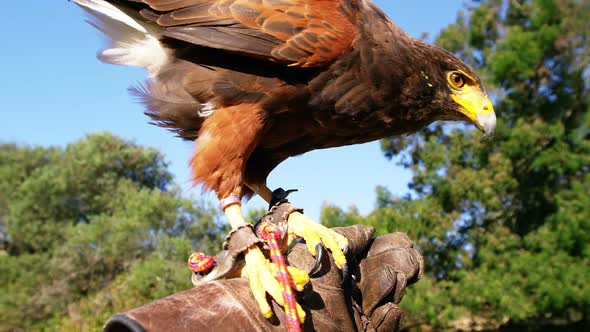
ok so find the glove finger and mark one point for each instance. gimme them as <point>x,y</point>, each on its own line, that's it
<point>387,318</point>
<point>400,287</point>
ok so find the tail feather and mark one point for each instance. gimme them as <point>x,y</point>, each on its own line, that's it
<point>108,11</point>
<point>130,40</point>
<point>170,106</point>
<point>133,40</point>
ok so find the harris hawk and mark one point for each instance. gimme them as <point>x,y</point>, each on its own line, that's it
<point>254,82</point>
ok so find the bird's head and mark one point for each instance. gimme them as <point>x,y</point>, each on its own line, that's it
<point>456,92</point>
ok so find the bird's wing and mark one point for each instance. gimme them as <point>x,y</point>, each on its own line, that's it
<point>306,33</point>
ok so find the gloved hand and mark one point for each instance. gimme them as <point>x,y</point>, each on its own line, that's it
<point>381,269</point>
<point>391,264</point>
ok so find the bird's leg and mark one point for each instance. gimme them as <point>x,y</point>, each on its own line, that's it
<point>231,206</point>
<point>315,234</point>
<point>259,271</point>
<point>261,190</point>
<point>225,142</point>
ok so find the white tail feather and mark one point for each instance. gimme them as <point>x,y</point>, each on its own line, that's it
<point>129,41</point>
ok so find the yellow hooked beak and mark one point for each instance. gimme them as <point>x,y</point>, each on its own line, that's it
<point>477,107</point>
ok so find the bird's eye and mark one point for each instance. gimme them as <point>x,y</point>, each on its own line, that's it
<point>457,80</point>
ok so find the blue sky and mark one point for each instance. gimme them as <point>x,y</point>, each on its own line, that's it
<point>54,91</point>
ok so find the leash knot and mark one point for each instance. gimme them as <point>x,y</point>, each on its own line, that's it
<point>199,263</point>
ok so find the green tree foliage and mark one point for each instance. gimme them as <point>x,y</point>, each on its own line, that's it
<point>504,226</point>
<point>92,229</point>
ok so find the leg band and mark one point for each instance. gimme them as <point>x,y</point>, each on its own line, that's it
<point>230,200</point>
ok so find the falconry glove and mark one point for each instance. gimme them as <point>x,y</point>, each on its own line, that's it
<point>381,268</point>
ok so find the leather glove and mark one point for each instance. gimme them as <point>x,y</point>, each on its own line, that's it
<point>368,301</point>
<point>390,265</point>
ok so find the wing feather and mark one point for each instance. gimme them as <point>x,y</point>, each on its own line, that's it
<point>304,33</point>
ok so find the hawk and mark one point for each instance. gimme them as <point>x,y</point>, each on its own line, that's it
<point>254,82</point>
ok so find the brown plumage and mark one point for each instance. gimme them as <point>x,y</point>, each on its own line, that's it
<point>255,82</point>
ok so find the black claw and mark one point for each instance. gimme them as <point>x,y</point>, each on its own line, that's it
<point>318,259</point>
<point>345,270</point>
<point>346,251</point>
<point>345,273</point>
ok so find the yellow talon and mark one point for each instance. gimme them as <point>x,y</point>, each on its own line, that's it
<point>261,274</point>
<point>256,266</point>
<point>314,233</point>
<point>339,259</point>
<point>299,277</point>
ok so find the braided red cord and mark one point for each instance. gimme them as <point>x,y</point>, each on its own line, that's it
<point>272,235</point>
